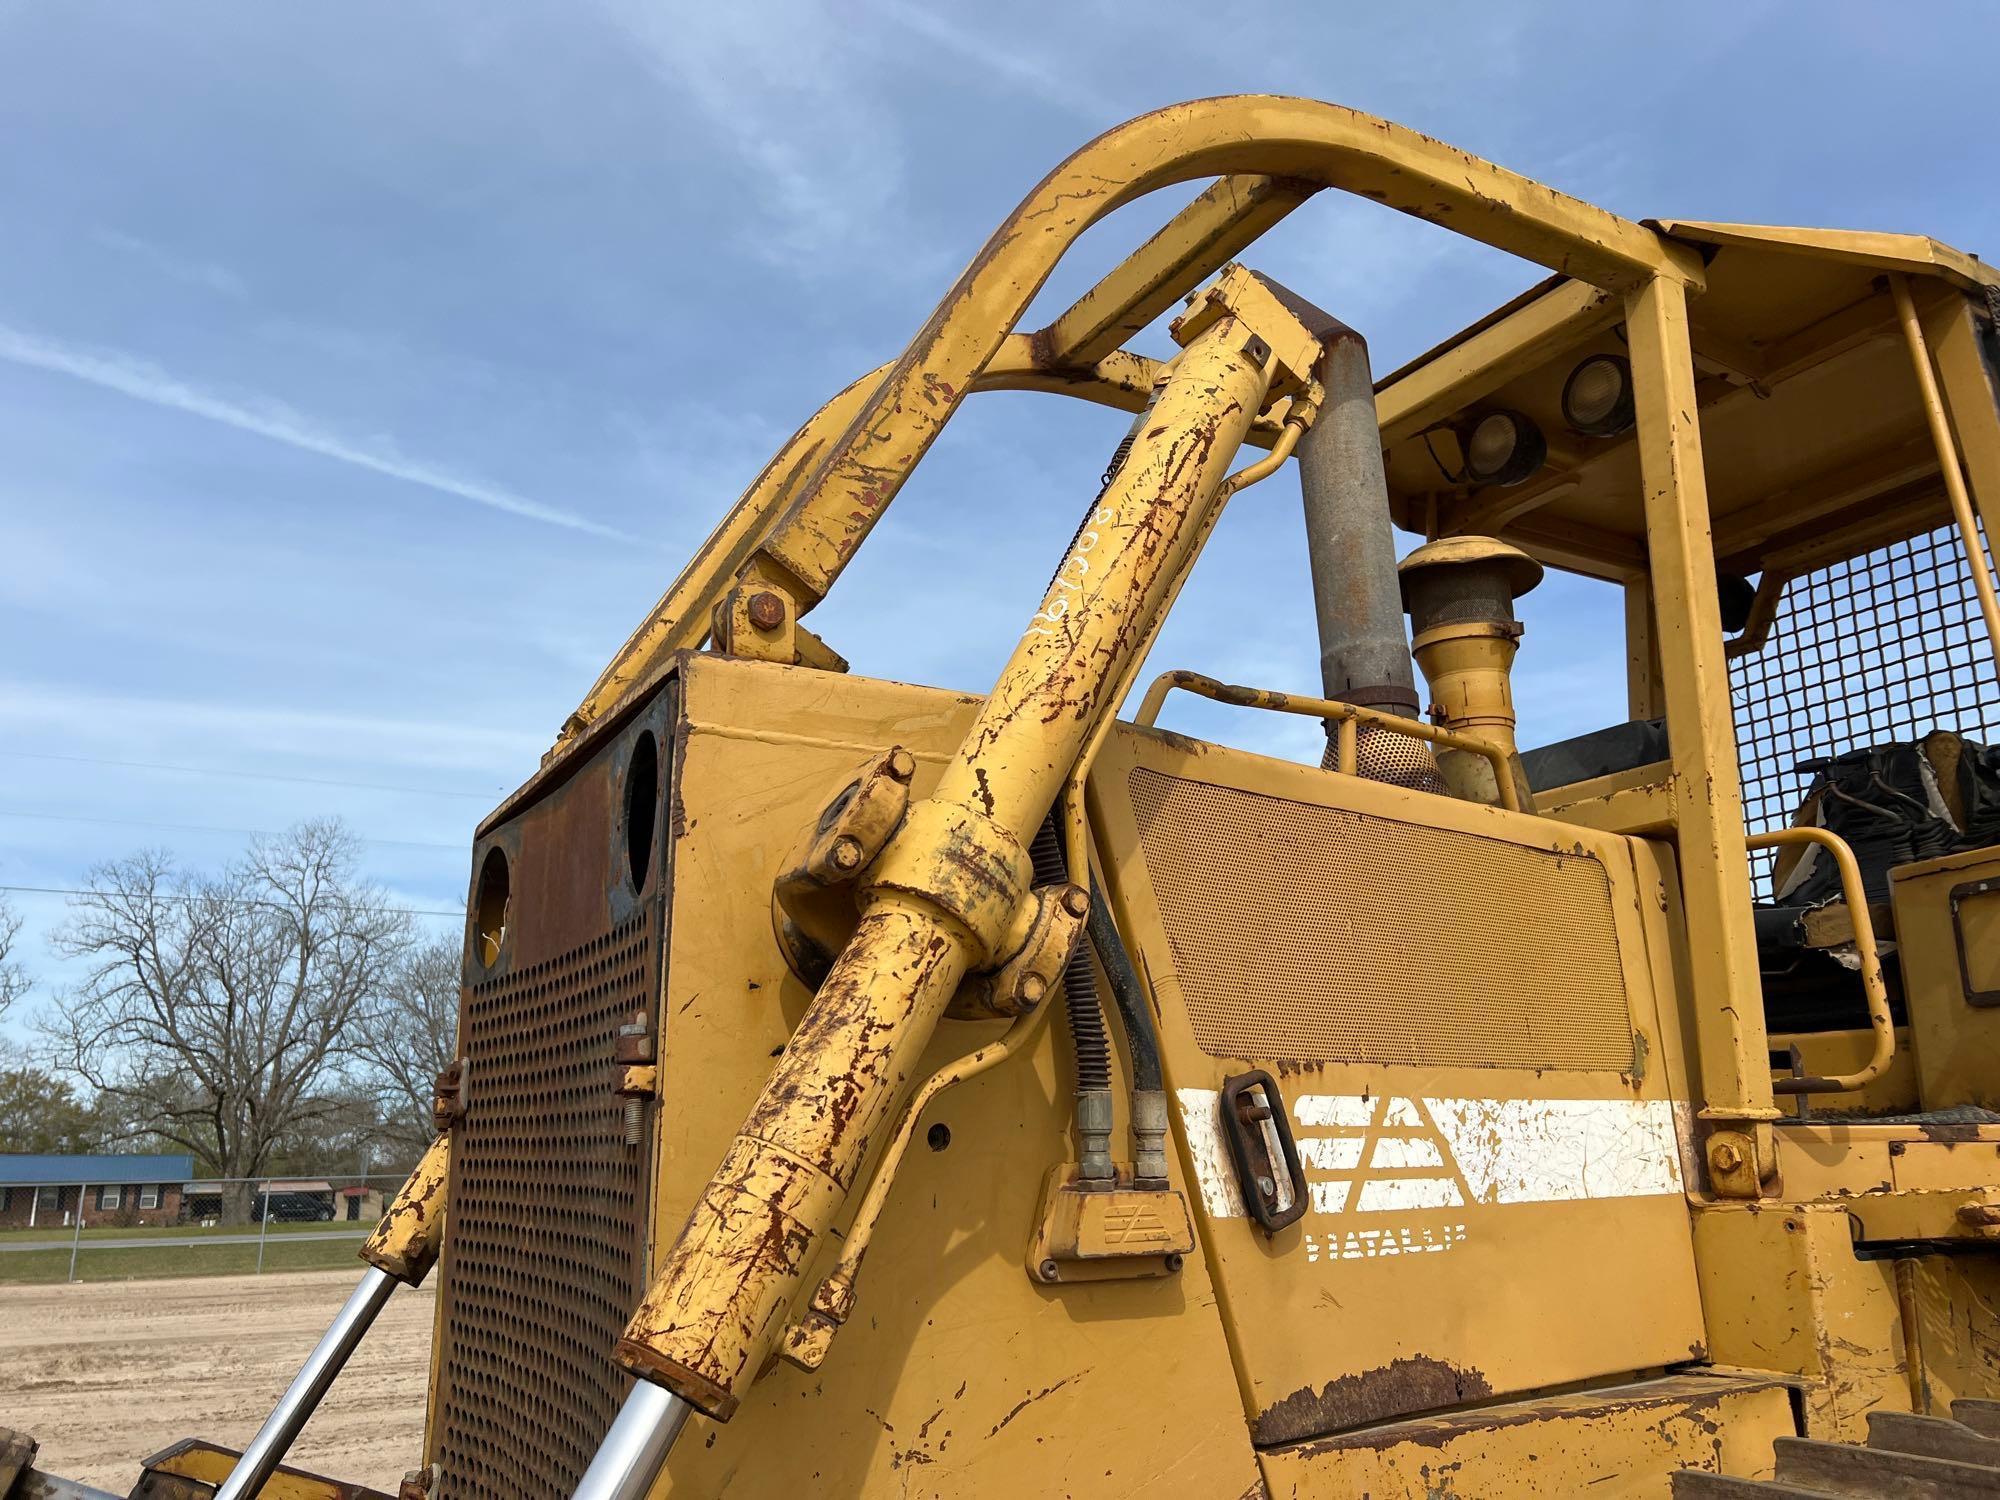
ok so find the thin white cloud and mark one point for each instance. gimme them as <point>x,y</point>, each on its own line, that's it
<point>185,728</point>
<point>202,273</point>
<point>783,88</point>
<point>143,381</point>
<point>1029,74</point>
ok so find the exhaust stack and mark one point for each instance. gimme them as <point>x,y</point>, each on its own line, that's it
<point>1460,591</point>
<point>1364,650</point>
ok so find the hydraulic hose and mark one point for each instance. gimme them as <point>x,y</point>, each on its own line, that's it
<point>1090,1042</point>
<point>1140,1036</point>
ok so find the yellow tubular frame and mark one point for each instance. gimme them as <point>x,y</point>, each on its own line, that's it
<point>1947,455</point>
<point>1349,718</point>
<point>1855,894</point>
<point>803,518</point>
<point>1295,138</point>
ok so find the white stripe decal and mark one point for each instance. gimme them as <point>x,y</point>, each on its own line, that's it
<point>1201,1117</point>
<point>1561,1150</point>
<point>1410,1193</point>
<point>1433,1153</point>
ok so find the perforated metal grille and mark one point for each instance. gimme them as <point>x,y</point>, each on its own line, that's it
<point>1886,646</point>
<point>544,1222</point>
<point>1312,933</point>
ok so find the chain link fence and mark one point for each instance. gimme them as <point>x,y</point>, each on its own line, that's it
<point>110,1231</point>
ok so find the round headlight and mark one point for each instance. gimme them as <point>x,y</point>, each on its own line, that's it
<point>1597,397</point>
<point>1503,447</point>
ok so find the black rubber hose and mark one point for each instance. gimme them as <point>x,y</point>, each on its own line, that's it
<point>1141,1039</point>
<point>1086,1015</point>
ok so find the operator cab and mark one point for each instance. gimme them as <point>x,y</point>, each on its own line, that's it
<point>1859,670</point>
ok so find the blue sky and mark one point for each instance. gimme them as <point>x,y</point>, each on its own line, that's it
<point>367,370</point>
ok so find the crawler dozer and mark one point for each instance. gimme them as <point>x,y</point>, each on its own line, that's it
<point>1444,1118</point>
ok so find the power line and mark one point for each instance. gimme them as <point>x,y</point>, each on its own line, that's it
<point>262,833</point>
<point>64,890</point>
<point>154,765</point>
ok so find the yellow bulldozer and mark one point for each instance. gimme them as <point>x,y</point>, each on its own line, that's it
<point>1617,1117</point>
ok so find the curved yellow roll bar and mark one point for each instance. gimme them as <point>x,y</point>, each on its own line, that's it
<point>806,515</point>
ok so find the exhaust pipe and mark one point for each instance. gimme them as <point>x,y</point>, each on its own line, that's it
<point>1364,652</point>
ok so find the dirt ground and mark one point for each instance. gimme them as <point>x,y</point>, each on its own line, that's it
<point>106,1373</point>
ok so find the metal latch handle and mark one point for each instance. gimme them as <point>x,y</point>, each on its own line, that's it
<point>1253,1114</point>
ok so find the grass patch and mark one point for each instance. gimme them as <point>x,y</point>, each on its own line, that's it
<point>177,1256</point>
<point>93,1231</point>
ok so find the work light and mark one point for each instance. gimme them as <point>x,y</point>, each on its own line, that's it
<point>1597,397</point>
<point>1504,448</point>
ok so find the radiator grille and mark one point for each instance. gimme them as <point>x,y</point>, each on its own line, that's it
<point>544,1223</point>
<point>1311,933</point>
<point>1885,646</point>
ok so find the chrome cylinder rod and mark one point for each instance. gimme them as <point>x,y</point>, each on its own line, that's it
<point>274,1439</point>
<point>628,1460</point>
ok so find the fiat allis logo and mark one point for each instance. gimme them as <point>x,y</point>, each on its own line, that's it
<point>1394,1162</point>
<point>1134,1224</point>
<point>1390,1174</point>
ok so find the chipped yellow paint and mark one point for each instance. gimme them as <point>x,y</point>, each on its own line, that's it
<point>405,1243</point>
<point>944,897</point>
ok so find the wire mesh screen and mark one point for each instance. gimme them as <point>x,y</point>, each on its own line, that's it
<point>1886,646</point>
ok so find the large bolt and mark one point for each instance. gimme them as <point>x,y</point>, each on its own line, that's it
<point>1725,1156</point>
<point>1033,987</point>
<point>635,1120</point>
<point>1051,1271</point>
<point>766,610</point>
<point>846,852</point>
<point>1076,901</point>
<point>902,765</point>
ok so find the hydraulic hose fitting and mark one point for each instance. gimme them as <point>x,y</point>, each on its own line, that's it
<point>1149,1138</point>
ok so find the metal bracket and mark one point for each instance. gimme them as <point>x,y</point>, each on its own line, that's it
<point>1020,983</point>
<point>813,899</point>
<point>761,623</point>
<point>1963,1219</point>
<point>1116,1234</point>
<point>448,1102</point>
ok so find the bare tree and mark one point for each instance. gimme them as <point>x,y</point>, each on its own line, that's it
<point>13,978</point>
<point>219,1007</point>
<point>408,1036</point>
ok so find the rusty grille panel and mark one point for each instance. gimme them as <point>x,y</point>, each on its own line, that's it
<point>1313,933</point>
<point>545,1222</point>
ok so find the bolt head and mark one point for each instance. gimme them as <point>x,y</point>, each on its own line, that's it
<point>846,852</point>
<point>1725,1156</point>
<point>1076,901</point>
<point>1033,987</point>
<point>766,610</point>
<point>1173,1260</point>
<point>902,765</point>
<point>1267,1187</point>
<point>1050,1270</point>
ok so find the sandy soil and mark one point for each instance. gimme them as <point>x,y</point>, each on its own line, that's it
<point>107,1373</point>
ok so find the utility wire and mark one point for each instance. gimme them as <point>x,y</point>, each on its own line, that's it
<point>261,833</point>
<point>153,765</point>
<point>64,890</point>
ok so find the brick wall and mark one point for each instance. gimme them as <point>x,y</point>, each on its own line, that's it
<point>120,1205</point>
